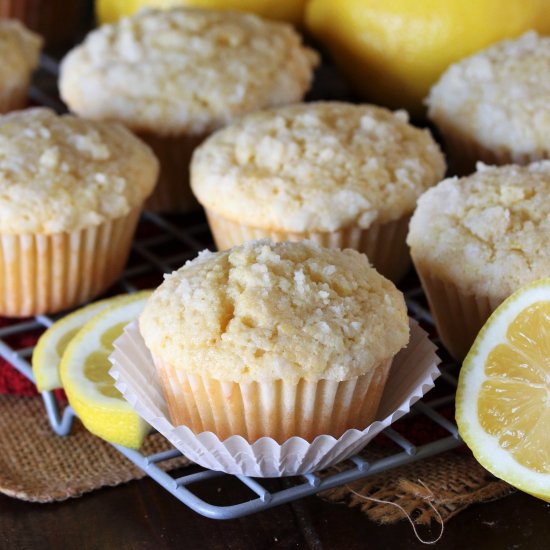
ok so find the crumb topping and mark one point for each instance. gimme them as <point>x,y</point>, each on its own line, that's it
<point>499,96</point>
<point>62,173</point>
<point>265,311</point>
<point>316,166</point>
<point>489,232</point>
<point>185,69</point>
<point>19,51</point>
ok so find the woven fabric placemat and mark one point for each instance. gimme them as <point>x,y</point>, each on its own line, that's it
<point>39,466</point>
<point>431,489</point>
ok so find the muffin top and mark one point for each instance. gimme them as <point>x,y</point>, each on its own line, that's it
<point>185,70</point>
<point>264,311</point>
<point>62,173</point>
<point>499,96</point>
<point>316,167</point>
<point>19,51</point>
<point>490,232</point>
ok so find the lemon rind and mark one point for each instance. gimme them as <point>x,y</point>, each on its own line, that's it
<point>45,359</point>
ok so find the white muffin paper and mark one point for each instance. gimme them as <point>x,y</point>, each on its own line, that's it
<point>412,374</point>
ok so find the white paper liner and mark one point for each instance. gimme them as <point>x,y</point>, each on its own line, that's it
<point>412,375</point>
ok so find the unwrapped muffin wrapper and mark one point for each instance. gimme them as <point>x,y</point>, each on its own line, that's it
<point>52,272</point>
<point>458,315</point>
<point>413,373</point>
<point>384,244</point>
<point>465,152</point>
<point>14,98</point>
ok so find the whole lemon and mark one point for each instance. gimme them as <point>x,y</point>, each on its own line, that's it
<point>292,11</point>
<point>392,51</point>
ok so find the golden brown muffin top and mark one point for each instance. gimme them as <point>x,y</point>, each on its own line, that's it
<point>489,233</point>
<point>62,173</point>
<point>316,167</point>
<point>185,70</point>
<point>265,311</point>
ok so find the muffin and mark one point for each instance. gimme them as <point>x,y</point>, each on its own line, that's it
<point>71,191</point>
<point>476,240</point>
<point>344,175</point>
<point>57,21</point>
<point>173,76</point>
<point>274,339</point>
<point>494,106</point>
<point>19,51</point>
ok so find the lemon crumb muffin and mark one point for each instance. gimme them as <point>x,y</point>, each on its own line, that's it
<point>476,240</point>
<point>71,191</point>
<point>175,75</point>
<point>19,51</point>
<point>494,106</point>
<point>343,175</point>
<point>274,339</point>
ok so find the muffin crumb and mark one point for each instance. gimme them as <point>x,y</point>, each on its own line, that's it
<point>265,311</point>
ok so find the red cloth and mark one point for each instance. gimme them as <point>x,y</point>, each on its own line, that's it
<point>12,381</point>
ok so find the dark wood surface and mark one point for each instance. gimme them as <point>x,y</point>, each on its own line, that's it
<point>142,515</point>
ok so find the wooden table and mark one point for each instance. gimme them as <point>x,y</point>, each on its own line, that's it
<point>142,515</point>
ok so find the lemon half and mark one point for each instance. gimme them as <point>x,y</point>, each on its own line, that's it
<point>84,372</point>
<point>503,397</point>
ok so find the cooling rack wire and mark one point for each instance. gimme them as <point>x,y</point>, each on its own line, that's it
<point>164,243</point>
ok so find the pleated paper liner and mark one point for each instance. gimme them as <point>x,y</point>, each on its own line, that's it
<point>283,409</point>
<point>172,192</point>
<point>59,22</point>
<point>413,372</point>
<point>383,243</point>
<point>50,273</point>
<point>465,152</point>
<point>458,315</point>
<point>14,98</point>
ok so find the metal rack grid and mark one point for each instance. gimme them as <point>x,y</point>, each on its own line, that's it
<point>164,243</point>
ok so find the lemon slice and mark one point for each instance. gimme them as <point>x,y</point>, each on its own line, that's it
<point>503,397</point>
<point>84,372</point>
<point>53,342</point>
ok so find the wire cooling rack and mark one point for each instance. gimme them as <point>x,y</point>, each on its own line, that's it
<point>164,243</point>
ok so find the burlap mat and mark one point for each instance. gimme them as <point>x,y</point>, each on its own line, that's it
<point>37,465</point>
<point>433,489</point>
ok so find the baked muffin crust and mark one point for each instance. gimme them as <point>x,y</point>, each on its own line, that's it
<point>489,233</point>
<point>185,70</point>
<point>265,311</point>
<point>62,173</point>
<point>316,167</point>
<point>499,97</point>
<point>19,51</point>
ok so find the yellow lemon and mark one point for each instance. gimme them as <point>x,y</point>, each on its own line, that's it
<point>292,11</point>
<point>503,397</point>
<point>392,51</point>
<point>84,372</point>
<point>53,342</point>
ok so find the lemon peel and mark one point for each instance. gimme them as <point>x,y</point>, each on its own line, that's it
<point>392,51</point>
<point>108,11</point>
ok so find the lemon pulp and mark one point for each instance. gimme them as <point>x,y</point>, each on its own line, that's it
<point>513,403</point>
<point>502,398</point>
<point>54,341</point>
